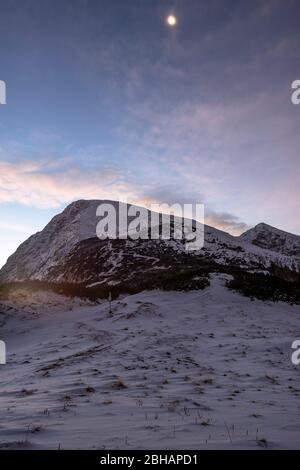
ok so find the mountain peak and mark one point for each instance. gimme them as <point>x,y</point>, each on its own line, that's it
<point>68,250</point>
<point>271,238</point>
<point>263,225</point>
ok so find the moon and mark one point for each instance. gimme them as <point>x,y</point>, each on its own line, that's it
<point>171,20</point>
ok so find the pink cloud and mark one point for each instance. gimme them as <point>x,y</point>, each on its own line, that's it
<point>31,183</point>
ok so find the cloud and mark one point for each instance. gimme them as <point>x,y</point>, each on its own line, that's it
<point>41,184</point>
<point>173,194</point>
<point>44,185</point>
<point>226,221</point>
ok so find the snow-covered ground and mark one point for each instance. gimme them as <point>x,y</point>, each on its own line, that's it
<point>203,369</point>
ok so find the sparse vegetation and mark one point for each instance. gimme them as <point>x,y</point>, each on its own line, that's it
<point>279,284</point>
<point>118,384</point>
<point>265,287</point>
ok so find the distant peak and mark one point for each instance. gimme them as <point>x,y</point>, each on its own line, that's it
<point>263,225</point>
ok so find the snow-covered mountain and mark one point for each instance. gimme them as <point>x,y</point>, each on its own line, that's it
<point>271,238</point>
<point>68,250</point>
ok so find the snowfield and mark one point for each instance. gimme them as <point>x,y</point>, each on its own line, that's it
<point>168,370</point>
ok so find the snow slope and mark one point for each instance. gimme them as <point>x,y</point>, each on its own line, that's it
<point>203,369</point>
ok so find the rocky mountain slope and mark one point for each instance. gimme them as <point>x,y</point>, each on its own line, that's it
<point>68,250</point>
<point>271,238</point>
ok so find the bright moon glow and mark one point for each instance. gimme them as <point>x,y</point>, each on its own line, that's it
<point>171,20</point>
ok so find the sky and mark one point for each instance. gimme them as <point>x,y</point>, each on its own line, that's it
<point>106,100</point>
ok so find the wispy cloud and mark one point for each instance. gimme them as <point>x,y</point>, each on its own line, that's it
<point>38,184</point>
<point>174,116</point>
<point>32,184</point>
<point>226,221</point>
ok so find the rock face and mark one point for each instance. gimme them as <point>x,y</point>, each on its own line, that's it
<point>67,250</point>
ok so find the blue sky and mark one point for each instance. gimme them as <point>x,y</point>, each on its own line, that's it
<point>105,100</point>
